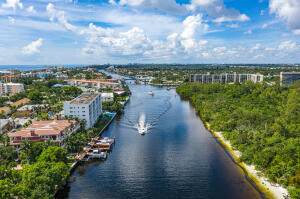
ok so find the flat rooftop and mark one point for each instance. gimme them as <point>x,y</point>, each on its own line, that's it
<point>85,98</point>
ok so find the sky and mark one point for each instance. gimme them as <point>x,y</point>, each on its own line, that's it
<point>149,31</point>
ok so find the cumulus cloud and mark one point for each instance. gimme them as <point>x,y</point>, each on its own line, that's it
<point>233,26</point>
<point>222,19</point>
<point>264,26</point>
<point>165,5</point>
<point>185,42</point>
<point>249,32</point>
<point>217,10</point>
<point>59,15</point>
<point>136,43</point>
<point>214,8</point>
<point>31,10</point>
<point>256,48</point>
<point>11,20</point>
<point>287,10</point>
<point>14,4</point>
<point>33,47</point>
<point>287,45</point>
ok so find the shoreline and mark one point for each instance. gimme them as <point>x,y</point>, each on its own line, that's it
<point>268,188</point>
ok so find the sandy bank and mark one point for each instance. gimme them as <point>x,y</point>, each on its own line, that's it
<point>275,189</point>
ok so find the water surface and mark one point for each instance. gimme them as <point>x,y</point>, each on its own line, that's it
<point>177,158</point>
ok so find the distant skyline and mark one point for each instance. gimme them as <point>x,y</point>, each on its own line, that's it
<point>149,31</point>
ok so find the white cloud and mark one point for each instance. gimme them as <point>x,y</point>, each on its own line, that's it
<point>33,47</point>
<point>287,45</point>
<point>289,11</point>
<point>270,49</point>
<point>220,50</point>
<point>296,32</point>
<point>256,48</point>
<point>214,8</point>
<point>217,10</point>
<point>112,2</point>
<point>191,23</point>
<point>264,26</point>
<point>241,17</point>
<point>59,16</point>
<point>233,26</point>
<point>14,4</point>
<point>31,10</point>
<point>195,3</point>
<point>135,42</point>
<point>249,32</point>
<point>165,5</point>
<point>11,20</point>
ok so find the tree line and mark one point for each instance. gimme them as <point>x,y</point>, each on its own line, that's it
<point>261,121</point>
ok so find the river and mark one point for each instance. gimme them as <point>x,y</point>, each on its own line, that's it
<point>177,158</point>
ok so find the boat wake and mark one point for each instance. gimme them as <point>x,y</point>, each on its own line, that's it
<point>142,126</point>
<point>145,111</point>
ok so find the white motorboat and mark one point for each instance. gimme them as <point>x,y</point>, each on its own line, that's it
<point>141,126</point>
<point>151,93</point>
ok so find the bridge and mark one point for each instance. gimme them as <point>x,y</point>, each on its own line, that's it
<point>127,79</point>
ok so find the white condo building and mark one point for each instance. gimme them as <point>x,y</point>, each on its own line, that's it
<point>11,88</point>
<point>87,106</point>
<point>226,78</point>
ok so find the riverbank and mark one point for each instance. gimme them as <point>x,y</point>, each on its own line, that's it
<point>269,189</point>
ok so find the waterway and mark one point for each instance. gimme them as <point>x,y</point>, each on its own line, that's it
<point>176,158</point>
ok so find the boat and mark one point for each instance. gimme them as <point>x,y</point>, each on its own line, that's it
<point>97,154</point>
<point>142,130</point>
<point>141,126</point>
<point>151,93</point>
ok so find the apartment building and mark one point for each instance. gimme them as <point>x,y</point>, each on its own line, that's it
<point>10,88</point>
<point>95,83</point>
<point>87,106</point>
<point>288,78</point>
<point>226,78</point>
<point>39,131</point>
<point>107,97</point>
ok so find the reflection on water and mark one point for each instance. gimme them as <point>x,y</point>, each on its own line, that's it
<point>178,158</point>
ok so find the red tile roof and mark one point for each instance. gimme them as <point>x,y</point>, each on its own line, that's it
<point>22,101</point>
<point>52,127</point>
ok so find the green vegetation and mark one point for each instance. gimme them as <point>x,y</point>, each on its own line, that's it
<point>45,170</point>
<point>260,121</point>
<point>76,142</point>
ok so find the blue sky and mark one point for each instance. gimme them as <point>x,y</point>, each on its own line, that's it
<point>149,31</point>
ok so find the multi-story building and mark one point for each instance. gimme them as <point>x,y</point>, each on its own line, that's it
<point>87,106</point>
<point>226,78</point>
<point>107,97</point>
<point>288,78</point>
<point>10,88</point>
<point>39,131</point>
<point>95,83</point>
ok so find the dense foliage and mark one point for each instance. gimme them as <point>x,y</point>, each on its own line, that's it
<point>44,171</point>
<point>262,122</point>
<point>76,142</point>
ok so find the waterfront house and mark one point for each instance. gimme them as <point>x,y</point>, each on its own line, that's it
<point>39,131</point>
